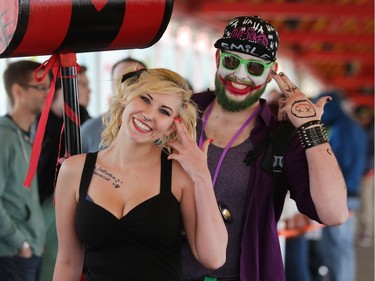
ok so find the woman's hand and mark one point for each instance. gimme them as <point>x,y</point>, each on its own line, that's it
<point>295,106</point>
<point>203,224</point>
<point>186,151</point>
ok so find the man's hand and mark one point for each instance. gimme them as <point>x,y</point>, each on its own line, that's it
<point>295,106</point>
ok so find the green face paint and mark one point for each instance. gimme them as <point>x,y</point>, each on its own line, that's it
<point>232,105</point>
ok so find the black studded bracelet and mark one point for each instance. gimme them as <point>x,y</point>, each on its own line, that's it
<point>308,124</point>
<point>313,136</point>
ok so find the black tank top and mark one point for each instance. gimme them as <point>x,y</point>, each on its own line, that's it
<point>142,245</point>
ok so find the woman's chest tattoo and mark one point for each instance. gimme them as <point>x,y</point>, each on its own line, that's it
<point>107,176</point>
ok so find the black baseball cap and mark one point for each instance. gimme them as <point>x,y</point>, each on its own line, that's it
<point>250,35</point>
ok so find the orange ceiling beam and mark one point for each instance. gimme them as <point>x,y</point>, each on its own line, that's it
<point>354,83</point>
<point>362,100</point>
<point>296,10</point>
<point>299,36</point>
<point>364,58</point>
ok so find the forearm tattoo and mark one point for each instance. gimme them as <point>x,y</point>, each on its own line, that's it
<point>107,176</point>
<point>303,109</point>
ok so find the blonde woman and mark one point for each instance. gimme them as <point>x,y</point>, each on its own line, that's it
<point>122,209</point>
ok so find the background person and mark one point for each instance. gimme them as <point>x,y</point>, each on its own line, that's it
<point>22,229</point>
<point>365,232</point>
<point>84,93</point>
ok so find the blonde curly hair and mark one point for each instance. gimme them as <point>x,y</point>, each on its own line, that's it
<point>150,81</point>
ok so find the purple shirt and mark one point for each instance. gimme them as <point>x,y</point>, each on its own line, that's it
<point>260,254</point>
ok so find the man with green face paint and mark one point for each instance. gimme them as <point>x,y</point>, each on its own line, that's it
<point>237,119</point>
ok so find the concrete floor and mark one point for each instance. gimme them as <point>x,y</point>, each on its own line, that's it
<point>365,263</point>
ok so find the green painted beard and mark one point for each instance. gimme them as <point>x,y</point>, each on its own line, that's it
<point>232,105</point>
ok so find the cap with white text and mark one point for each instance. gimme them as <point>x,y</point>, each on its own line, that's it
<point>250,35</point>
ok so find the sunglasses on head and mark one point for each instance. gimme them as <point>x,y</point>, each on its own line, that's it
<point>253,67</point>
<point>131,74</point>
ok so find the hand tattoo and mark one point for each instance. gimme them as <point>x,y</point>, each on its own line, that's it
<point>303,109</point>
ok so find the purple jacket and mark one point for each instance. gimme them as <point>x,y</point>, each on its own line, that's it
<point>261,258</point>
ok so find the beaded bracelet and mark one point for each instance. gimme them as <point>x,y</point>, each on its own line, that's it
<point>313,136</point>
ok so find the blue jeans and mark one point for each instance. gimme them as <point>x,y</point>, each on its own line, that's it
<point>337,247</point>
<point>296,259</point>
<point>17,268</point>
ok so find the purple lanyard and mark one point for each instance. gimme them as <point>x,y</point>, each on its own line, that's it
<point>244,125</point>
